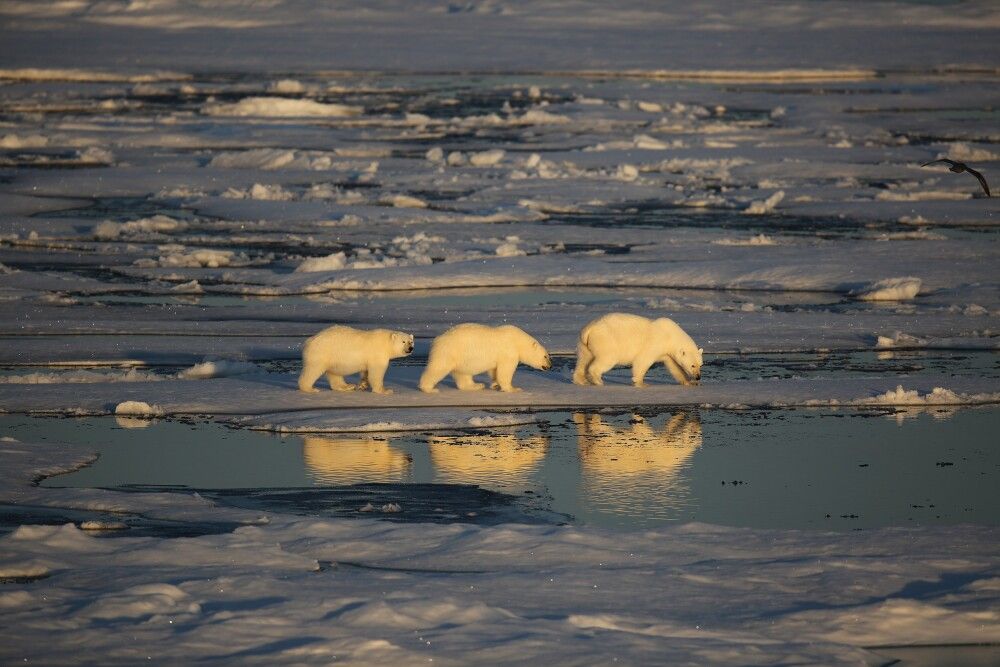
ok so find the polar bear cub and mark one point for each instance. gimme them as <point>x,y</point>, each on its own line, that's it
<point>467,350</point>
<point>620,339</point>
<point>339,351</point>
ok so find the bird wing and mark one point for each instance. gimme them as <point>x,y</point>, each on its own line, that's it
<point>982,180</point>
<point>951,162</point>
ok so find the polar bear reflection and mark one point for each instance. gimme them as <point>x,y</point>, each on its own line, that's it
<point>489,459</point>
<point>339,461</point>
<point>635,470</point>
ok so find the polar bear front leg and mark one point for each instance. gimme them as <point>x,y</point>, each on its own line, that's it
<point>505,375</point>
<point>493,379</point>
<point>337,382</point>
<point>639,369</point>
<point>363,382</point>
<point>376,377</point>
<point>674,368</point>
<point>465,382</point>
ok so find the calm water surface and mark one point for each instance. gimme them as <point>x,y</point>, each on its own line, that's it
<point>819,469</point>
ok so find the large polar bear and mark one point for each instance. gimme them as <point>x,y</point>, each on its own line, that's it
<point>620,339</point>
<point>470,349</point>
<point>339,351</point>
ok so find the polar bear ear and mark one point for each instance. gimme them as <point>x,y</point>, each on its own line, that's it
<point>701,350</point>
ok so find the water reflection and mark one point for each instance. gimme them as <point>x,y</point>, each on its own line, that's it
<point>506,459</point>
<point>350,460</point>
<point>637,469</point>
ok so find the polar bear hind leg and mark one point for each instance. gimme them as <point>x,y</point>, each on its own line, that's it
<point>583,359</point>
<point>308,378</point>
<point>363,382</point>
<point>598,367</point>
<point>337,382</point>
<point>493,379</point>
<point>674,368</point>
<point>433,373</point>
<point>465,382</point>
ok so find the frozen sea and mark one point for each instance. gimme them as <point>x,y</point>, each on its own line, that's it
<point>189,190</point>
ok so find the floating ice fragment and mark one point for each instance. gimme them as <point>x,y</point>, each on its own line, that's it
<point>486,158</point>
<point>289,86</point>
<point>190,287</point>
<point>758,240</point>
<point>218,369</point>
<point>937,396</point>
<point>889,289</point>
<point>766,206</point>
<point>282,107</point>
<point>333,262</point>
<point>103,525</point>
<point>404,201</point>
<point>138,409</point>
<point>965,152</point>
<point>23,141</point>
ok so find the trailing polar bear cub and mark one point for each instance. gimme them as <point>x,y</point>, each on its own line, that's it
<point>470,349</point>
<point>620,339</point>
<point>340,351</point>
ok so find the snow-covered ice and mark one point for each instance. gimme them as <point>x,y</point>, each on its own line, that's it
<point>190,189</point>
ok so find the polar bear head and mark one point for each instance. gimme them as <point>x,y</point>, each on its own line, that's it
<point>402,343</point>
<point>533,354</point>
<point>681,348</point>
<point>689,359</point>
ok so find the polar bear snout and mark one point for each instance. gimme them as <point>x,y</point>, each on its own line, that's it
<point>547,364</point>
<point>408,347</point>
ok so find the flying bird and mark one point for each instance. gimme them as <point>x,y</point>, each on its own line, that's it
<point>959,167</point>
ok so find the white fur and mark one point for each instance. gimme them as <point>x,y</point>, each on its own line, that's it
<point>470,349</point>
<point>340,351</point>
<point>620,339</point>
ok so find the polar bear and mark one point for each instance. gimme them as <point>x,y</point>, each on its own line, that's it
<point>621,339</point>
<point>339,351</point>
<point>470,349</point>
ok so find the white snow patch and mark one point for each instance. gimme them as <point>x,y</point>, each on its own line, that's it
<point>81,377</point>
<point>82,75</point>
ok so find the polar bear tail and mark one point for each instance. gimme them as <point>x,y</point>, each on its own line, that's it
<point>583,357</point>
